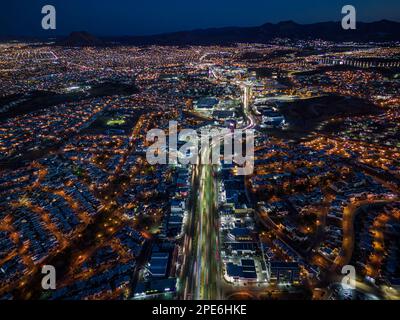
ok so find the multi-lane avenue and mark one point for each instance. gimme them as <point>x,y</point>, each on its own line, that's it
<point>201,273</point>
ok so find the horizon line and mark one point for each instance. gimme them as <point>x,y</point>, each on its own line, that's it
<point>178,31</point>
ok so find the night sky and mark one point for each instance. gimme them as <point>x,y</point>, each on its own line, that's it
<point>132,17</point>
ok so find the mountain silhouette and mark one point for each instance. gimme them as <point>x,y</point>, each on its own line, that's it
<point>383,30</point>
<point>375,31</point>
<point>81,39</point>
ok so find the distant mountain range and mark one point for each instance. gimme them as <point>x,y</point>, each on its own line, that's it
<point>383,30</point>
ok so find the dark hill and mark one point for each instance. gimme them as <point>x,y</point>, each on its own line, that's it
<point>375,31</point>
<point>305,114</point>
<point>383,30</point>
<point>81,39</point>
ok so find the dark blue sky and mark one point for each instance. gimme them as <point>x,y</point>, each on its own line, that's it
<point>133,17</point>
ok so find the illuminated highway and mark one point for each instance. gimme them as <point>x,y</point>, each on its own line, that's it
<point>201,274</point>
